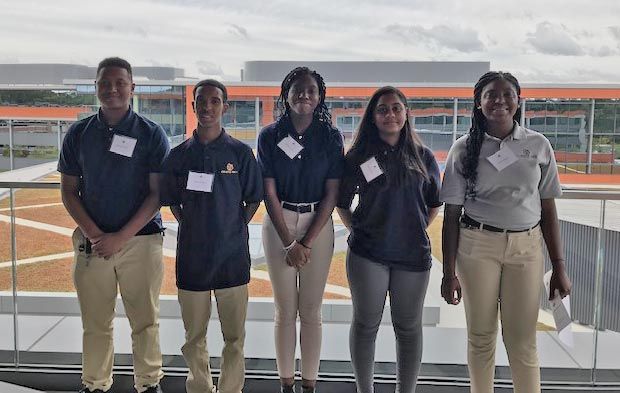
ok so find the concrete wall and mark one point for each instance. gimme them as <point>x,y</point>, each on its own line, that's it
<point>372,71</point>
<point>54,74</point>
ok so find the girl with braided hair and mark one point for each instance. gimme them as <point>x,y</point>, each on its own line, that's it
<point>301,156</point>
<point>499,187</point>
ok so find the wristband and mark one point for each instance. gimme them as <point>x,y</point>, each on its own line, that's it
<point>303,245</point>
<point>288,248</point>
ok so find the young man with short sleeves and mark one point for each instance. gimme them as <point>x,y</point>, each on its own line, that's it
<point>109,165</point>
<point>213,185</point>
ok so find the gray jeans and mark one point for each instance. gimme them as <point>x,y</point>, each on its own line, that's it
<point>370,282</point>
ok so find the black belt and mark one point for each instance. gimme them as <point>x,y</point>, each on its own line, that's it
<point>470,222</point>
<point>300,207</point>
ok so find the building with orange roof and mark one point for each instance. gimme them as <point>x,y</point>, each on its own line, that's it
<point>581,121</point>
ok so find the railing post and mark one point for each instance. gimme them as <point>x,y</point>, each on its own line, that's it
<point>59,138</point>
<point>598,285</point>
<point>455,117</point>
<point>11,153</point>
<point>590,137</point>
<point>257,119</point>
<point>14,276</point>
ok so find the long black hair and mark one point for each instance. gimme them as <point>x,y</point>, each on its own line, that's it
<point>321,113</point>
<point>479,127</point>
<point>366,143</point>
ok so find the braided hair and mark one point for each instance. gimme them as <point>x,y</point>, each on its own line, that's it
<point>479,127</point>
<point>321,113</point>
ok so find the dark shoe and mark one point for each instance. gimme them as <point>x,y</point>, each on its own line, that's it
<point>154,389</point>
<point>87,390</point>
<point>287,389</point>
<point>307,389</point>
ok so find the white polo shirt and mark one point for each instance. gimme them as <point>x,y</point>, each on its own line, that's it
<point>508,198</point>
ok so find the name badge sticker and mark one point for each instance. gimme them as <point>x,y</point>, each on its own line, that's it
<point>290,146</point>
<point>503,158</point>
<point>197,181</point>
<point>123,145</point>
<point>371,169</point>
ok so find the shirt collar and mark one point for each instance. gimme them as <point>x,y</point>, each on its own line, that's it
<point>517,133</point>
<point>218,143</point>
<point>287,129</point>
<point>124,125</point>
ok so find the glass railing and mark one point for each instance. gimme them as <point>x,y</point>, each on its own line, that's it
<point>41,326</point>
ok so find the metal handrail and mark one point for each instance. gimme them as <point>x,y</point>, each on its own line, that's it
<point>30,184</point>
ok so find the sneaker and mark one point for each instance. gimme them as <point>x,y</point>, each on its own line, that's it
<point>307,389</point>
<point>154,389</point>
<point>87,390</point>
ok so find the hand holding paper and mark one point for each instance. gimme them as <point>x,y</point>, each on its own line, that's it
<point>561,312</point>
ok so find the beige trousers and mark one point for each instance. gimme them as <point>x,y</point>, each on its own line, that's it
<point>298,292</point>
<point>232,305</point>
<point>137,270</point>
<point>505,270</point>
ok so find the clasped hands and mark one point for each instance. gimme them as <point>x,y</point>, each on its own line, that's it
<point>296,255</point>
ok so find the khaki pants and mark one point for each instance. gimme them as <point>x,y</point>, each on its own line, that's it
<point>506,270</point>
<point>232,305</point>
<point>137,270</point>
<point>298,292</point>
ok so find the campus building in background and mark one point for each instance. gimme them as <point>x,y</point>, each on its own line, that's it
<point>39,101</point>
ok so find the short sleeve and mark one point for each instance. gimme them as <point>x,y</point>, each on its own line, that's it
<point>265,153</point>
<point>169,189</point>
<point>348,186</point>
<point>68,162</point>
<point>251,179</point>
<point>433,186</point>
<point>335,156</point>
<point>454,184</point>
<point>159,149</point>
<point>549,186</point>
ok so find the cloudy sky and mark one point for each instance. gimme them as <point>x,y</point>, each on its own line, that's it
<point>538,40</point>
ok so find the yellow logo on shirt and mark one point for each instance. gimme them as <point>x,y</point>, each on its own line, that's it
<point>230,168</point>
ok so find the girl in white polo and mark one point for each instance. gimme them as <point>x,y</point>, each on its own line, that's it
<point>499,188</point>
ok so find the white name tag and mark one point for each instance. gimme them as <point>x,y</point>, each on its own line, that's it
<point>290,146</point>
<point>123,145</point>
<point>371,169</point>
<point>197,181</point>
<point>503,158</point>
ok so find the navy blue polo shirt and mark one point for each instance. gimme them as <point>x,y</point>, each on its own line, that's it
<point>302,178</point>
<point>212,243</point>
<point>389,223</point>
<point>112,186</point>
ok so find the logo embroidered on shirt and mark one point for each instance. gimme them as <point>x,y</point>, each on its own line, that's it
<point>525,153</point>
<point>230,169</point>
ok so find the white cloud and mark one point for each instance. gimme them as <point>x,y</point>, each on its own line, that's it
<point>209,68</point>
<point>554,40</point>
<point>441,36</point>
<point>238,31</point>
<point>215,37</point>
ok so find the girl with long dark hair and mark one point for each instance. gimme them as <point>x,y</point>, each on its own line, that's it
<point>301,156</point>
<point>397,180</point>
<point>499,188</point>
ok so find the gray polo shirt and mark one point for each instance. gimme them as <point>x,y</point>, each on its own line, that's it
<point>510,198</point>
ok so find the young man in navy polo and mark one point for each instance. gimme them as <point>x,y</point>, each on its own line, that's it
<point>213,185</point>
<point>109,165</point>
